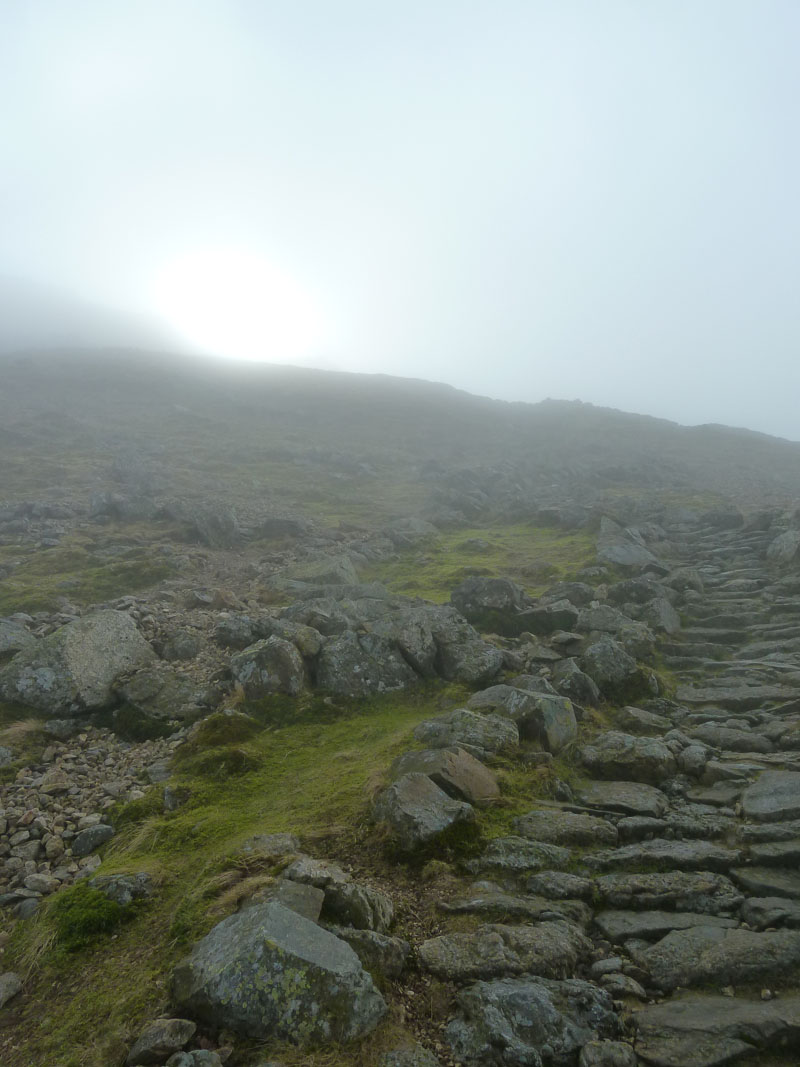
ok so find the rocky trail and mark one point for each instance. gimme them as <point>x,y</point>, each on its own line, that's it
<point>639,726</point>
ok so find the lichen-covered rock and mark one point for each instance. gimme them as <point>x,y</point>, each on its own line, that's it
<point>545,716</point>
<point>775,796</point>
<point>417,810</point>
<point>480,734</point>
<point>267,972</point>
<point>162,693</point>
<point>74,669</point>
<point>270,666</point>
<point>14,638</point>
<point>514,1022</point>
<point>358,665</point>
<point>615,672</point>
<point>381,955</point>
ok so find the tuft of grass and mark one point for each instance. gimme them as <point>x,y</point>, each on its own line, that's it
<point>80,915</point>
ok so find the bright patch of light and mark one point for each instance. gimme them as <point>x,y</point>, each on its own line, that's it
<point>233,303</point>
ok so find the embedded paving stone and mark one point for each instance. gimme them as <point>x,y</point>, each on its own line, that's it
<point>762,912</point>
<point>454,770</point>
<point>621,926</point>
<point>701,891</point>
<point>627,798</point>
<point>491,902</point>
<point>512,1022</point>
<point>549,950</point>
<point>682,855</point>
<point>267,972</point>
<point>776,854</point>
<point>639,721</point>
<point>559,885</point>
<point>731,740</point>
<point>518,855</point>
<point>742,698</point>
<point>618,755</point>
<point>418,810</point>
<point>480,734</point>
<point>565,828</point>
<point>774,797</point>
<point>768,882</point>
<point>711,1031</point>
<point>728,957</point>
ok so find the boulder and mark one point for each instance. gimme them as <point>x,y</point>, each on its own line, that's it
<point>454,770</point>
<point>74,669</point>
<point>482,735</point>
<point>615,673</point>
<point>359,665</point>
<point>548,718</point>
<point>161,692</point>
<point>160,1039</point>
<point>784,549</point>
<point>266,972</point>
<point>570,681</point>
<point>548,949</point>
<point>270,666</point>
<point>544,619</point>
<point>527,1022</point>
<point>417,810</point>
<point>10,985</point>
<point>14,638</point>
<point>381,955</point>
<point>491,603</point>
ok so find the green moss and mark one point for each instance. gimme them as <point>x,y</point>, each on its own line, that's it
<point>79,915</point>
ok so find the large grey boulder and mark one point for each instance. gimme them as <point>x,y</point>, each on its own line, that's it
<point>462,655</point>
<point>359,665</point>
<point>454,770</point>
<point>546,618</point>
<point>161,692</point>
<point>547,949</point>
<point>417,810</point>
<point>622,547</point>
<point>617,755</point>
<point>270,666</point>
<point>544,716</point>
<point>73,670</point>
<point>710,1031</point>
<point>784,549</point>
<point>491,603</point>
<point>527,1022</point>
<point>267,972</point>
<point>775,796</point>
<point>614,671</point>
<point>570,681</point>
<point>483,735</point>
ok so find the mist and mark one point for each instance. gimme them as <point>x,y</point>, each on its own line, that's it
<point>524,200</point>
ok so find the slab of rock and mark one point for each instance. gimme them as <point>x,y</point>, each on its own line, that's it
<point>518,855</point>
<point>267,972</point>
<point>510,1022</point>
<point>621,926</point>
<point>734,698</point>
<point>560,885</point>
<point>359,906</point>
<point>774,797</point>
<point>417,810</point>
<point>700,891</point>
<point>763,912</point>
<point>482,735</point>
<point>270,666</point>
<point>74,669</point>
<point>730,740</point>
<point>381,955</point>
<point>638,721</point>
<point>768,881</point>
<point>565,828</point>
<point>570,681</point>
<point>490,902</point>
<point>549,949</point>
<point>614,671</point>
<point>14,638</point>
<point>706,954</point>
<point>160,1039</point>
<point>417,1056</point>
<point>161,692</point>
<point>616,755</point>
<point>680,855</point>
<point>626,798</point>
<point>455,771</point>
<point>711,1031</point>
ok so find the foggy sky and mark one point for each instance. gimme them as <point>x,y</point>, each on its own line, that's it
<point>593,200</point>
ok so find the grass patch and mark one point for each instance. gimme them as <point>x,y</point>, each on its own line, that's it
<point>80,915</point>
<point>535,557</point>
<point>123,977</point>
